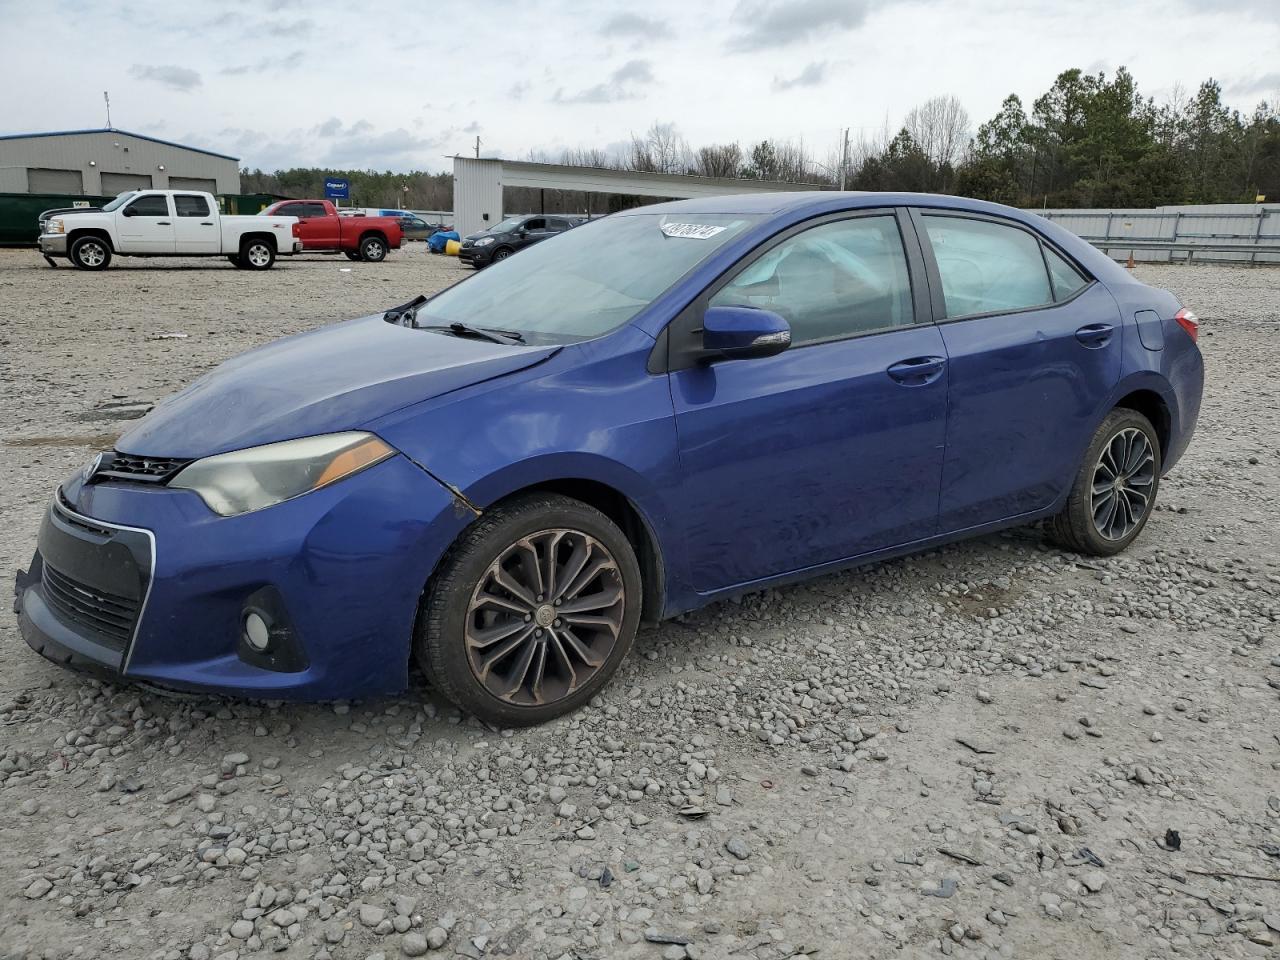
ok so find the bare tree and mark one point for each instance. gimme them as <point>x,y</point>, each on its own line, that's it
<point>719,160</point>
<point>940,127</point>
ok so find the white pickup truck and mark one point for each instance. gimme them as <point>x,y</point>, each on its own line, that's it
<point>166,223</point>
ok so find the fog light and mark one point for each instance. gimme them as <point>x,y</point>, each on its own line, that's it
<point>256,632</point>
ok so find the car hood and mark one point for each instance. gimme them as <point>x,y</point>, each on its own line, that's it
<point>337,378</point>
<point>483,233</point>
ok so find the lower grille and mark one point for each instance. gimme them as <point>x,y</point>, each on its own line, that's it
<point>112,618</point>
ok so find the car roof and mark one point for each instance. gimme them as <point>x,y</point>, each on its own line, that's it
<point>806,200</point>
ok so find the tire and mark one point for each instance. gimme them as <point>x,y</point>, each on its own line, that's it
<point>257,254</point>
<point>576,660</point>
<point>501,254</point>
<point>351,254</point>
<point>373,249</point>
<point>90,253</point>
<point>1087,523</point>
<point>234,260</point>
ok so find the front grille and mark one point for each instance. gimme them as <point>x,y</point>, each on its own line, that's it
<point>128,466</point>
<point>468,243</point>
<point>111,617</point>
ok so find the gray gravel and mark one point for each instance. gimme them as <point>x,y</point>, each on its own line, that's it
<point>991,750</point>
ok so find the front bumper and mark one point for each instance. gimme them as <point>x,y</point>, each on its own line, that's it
<point>476,256</point>
<point>53,244</point>
<point>342,567</point>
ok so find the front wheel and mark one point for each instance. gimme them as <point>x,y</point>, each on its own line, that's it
<point>234,259</point>
<point>257,255</point>
<point>351,254</point>
<point>373,250</point>
<point>531,612</point>
<point>502,253</point>
<point>1115,489</point>
<point>90,253</point>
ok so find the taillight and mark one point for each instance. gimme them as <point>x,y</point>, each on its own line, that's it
<point>1189,322</point>
<point>297,232</point>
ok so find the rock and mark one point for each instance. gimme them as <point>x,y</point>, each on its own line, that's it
<point>37,888</point>
<point>242,929</point>
<point>436,937</point>
<point>414,945</point>
<point>370,915</point>
<point>654,935</point>
<point>738,847</point>
<point>177,793</point>
<point>674,952</point>
<point>1094,880</point>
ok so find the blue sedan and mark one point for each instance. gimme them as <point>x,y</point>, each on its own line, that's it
<point>634,419</point>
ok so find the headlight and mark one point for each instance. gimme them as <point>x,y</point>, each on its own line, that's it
<point>484,241</point>
<point>246,480</point>
<point>54,225</point>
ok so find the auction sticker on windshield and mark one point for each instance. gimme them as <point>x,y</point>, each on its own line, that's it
<point>691,231</point>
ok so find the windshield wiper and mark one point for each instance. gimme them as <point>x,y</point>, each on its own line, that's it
<point>407,313</point>
<point>481,333</point>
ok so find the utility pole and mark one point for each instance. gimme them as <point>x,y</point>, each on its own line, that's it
<point>477,147</point>
<point>107,97</point>
<point>844,157</point>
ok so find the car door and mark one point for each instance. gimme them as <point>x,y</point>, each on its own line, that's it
<point>833,448</point>
<point>195,227</point>
<point>1034,348</point>
<point>533,230</point>
<point>146,225</point>
<point>318,232</point>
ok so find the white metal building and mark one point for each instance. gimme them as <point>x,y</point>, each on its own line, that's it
<point>478,185</point>
<point>107,162</point>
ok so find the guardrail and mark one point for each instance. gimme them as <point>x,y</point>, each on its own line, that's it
<point>1226,233</point>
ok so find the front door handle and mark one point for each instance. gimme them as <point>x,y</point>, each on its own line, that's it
<point>1095,335</point>
<point>917,371</point>
<point>206,223</point>
<point>163,223</point>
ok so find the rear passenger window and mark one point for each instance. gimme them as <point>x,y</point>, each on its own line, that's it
<point>1066,279</point>
<point>190,205</point>
<point>835,280</point>
<point>987,267</point>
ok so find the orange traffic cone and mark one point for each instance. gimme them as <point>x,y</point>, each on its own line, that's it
<point>1130,263</point>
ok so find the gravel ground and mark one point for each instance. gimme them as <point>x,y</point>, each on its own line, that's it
<point>991,750</point>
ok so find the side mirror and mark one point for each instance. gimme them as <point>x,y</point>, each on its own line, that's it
<point>128,212</point>
<point>740,333</point>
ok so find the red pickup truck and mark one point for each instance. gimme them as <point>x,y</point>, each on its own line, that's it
<point>322,230</point>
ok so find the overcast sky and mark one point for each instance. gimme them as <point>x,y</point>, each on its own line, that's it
<point>392,85</point>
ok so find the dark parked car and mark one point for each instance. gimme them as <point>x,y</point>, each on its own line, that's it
<point>660,409</point>
<point>513,234</point>
<point>415,228</point>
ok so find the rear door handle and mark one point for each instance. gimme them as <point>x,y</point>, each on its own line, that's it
<point>1095,335</point>
<point>917,371</point>
<point>163,223</point>
<point>206,223</point>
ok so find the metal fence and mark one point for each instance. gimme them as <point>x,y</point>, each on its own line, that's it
<point>1222,232</point>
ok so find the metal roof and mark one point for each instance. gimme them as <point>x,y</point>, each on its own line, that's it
<point>127,133</point>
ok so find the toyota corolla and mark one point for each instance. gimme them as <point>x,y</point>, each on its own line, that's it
<point>631,420</point>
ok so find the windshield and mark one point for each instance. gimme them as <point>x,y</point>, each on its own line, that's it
<point>586,281</point>
<point>507,225</point>
<point>119,201</point>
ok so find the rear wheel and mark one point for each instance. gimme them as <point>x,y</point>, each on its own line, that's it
<point>90,253</point>
<point>531,612</point>
<point>257,254</point>
<point>1115,489</point>
<point>351,254</point>
<point>373,249</point>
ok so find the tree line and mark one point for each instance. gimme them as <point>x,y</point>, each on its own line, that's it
<point>1088,141</point>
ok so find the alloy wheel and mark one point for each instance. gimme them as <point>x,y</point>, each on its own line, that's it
<point>373,251</point>
<point>92,254</point>
<point>258,255</point>
<point>1123,480</point>
<point>544,617</point>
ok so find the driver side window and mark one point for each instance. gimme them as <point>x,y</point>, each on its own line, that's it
<point>832,281</point>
